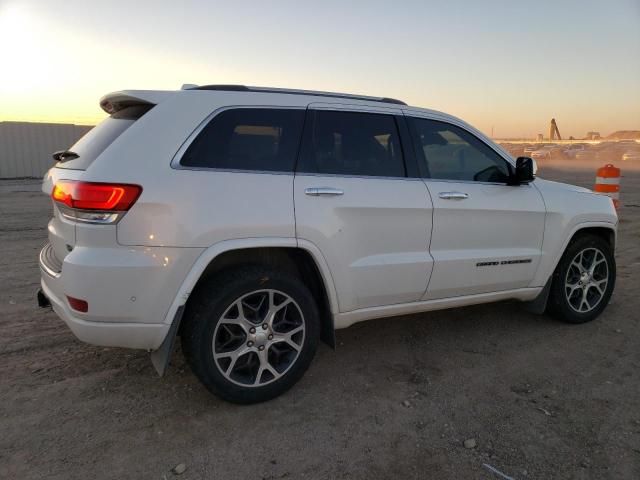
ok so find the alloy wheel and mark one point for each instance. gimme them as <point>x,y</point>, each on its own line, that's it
<point>586,280</point>
<point>258,338</point>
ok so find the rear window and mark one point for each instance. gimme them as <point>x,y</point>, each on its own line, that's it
<point>257,139</point>
<point>96,141</point>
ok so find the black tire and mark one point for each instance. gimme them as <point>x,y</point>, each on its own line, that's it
<point>205,310</point>
<point>559,305</point>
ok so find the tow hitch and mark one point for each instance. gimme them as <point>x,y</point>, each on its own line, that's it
<point>43,301</point>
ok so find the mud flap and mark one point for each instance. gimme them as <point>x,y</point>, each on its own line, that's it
<point>539,304</point>
<point>161,357</point>
<point>43,301</point>
<point>328,332</point>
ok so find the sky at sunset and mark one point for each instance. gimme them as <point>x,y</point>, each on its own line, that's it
<point>506,65</point>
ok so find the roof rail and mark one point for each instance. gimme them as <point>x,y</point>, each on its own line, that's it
<point>244,88</point>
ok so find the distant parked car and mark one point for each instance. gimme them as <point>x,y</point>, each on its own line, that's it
<point>572,150</point>
<point>542,154</point>
<point>529,149</point>
<point>586,154</point>
<point>513,149</point>
<point>631,156</point>
<point>545,153</point>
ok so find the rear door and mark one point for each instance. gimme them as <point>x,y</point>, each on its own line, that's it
<point>487,235</point>
<point>358,202</point>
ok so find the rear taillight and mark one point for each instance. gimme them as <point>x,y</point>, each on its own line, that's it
<point>94,202</point>
<point>114,197</point>
<point>78,304</point>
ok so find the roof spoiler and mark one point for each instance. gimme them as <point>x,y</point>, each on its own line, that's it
<point>116,101</point>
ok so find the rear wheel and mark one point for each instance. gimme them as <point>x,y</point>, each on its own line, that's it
<point>583,280</point>
<point>250,334</point>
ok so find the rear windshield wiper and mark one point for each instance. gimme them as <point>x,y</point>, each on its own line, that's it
<point>64,155</point>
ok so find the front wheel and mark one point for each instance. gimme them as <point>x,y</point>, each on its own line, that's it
<point>250,334</point>
<point>583,280</point>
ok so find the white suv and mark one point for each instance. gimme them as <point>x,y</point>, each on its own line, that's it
<point>252,221</point>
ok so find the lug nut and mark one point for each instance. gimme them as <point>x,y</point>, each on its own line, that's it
<point>249,343</point>
<point>265,326</point>
<point>261,347</point>
<point>252,330</point>
<point>270,337</point>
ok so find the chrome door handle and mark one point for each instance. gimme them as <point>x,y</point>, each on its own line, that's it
<point>325,191</point>
<point>453,195</point>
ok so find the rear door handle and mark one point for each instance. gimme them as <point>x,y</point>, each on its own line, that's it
<point>453,195</point>
<point>323,191</point>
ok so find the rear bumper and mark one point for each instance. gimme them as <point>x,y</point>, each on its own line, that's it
<point>106,334</point>
<point>129,291</point>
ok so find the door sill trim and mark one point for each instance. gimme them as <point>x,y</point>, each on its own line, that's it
<point>346,319</point>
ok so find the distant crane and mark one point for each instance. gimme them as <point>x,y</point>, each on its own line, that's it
<point>553,130</point>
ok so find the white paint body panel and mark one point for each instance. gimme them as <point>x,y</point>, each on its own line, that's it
<point>344,320</point>
<point>497,223</point>
<point>375,237</point>
<point>386,247</point>
<point>569,209</point>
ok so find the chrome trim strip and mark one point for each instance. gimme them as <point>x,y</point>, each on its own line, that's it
<point>323,191</point>
<point>363,177</point>
<point>473,182</point>
<point>233,170</point>
<point>355,108</point>
<point>453,195</point>
<point>444,118</point>
<point>44,267</point>
<point>71,214</point>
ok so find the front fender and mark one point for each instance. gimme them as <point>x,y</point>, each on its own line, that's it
<point>555,244</point>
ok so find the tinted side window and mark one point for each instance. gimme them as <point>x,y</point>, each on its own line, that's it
<point>352,143</point>
<point>451,153</point>
<point>248,139</point>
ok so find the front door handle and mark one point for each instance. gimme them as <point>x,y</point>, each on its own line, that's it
<point>323,191</point>
<point>453,195</point>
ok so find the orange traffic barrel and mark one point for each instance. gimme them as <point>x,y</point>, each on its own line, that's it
<point>608,183</point>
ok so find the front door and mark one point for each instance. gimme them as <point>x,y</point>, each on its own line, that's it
<point>487,235</point>
<point>356,203</point>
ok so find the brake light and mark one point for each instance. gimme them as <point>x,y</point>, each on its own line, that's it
<point>112,197</point>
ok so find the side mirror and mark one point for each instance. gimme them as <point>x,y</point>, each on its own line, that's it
<point>526,170</point>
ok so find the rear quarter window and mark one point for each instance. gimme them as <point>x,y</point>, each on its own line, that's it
<point>255,139</point>
<point>96,140</point>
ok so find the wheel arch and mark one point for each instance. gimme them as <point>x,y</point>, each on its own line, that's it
<point>300,258</point>
<point>604,230</point>
<point>608,234</point>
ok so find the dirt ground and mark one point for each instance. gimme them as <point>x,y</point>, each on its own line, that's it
<point>397,399</point>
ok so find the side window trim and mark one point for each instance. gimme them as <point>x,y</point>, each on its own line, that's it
<point>505,155</point>
<point>177,157</point>
<point>422,163</point>
<point>423,168</point>
<point>411,164</point>
<point>309,125</point>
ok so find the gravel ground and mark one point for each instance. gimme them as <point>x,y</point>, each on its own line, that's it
<point>397,399</point>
